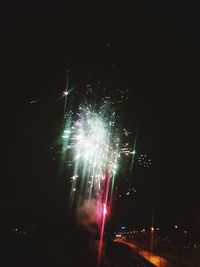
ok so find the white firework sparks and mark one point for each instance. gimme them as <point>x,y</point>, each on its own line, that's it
<point>95,146</point>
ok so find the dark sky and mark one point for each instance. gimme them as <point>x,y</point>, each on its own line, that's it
<point>152,55</point>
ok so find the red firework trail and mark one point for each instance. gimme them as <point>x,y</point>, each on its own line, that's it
<point>104,207</point>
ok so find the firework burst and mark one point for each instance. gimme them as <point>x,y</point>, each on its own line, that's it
<point>94,142</point>
<point>93,145</point>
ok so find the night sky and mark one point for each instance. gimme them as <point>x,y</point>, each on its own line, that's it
<point>152,56</point>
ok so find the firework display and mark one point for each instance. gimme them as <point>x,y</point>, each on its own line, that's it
<point>95,147</point>
<point>94,144</point>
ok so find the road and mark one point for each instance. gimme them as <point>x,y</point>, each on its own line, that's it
<point>156,260</point>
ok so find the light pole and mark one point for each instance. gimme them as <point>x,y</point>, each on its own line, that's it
<point>151,236</point>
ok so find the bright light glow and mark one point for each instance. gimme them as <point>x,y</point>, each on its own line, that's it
<point>66,93</point>
<point>65,136</point>
<point>104,209</point>
<point>95,146</point>
<point>74,177</point>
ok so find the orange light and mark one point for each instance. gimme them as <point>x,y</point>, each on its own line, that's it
<point>118,235</point>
